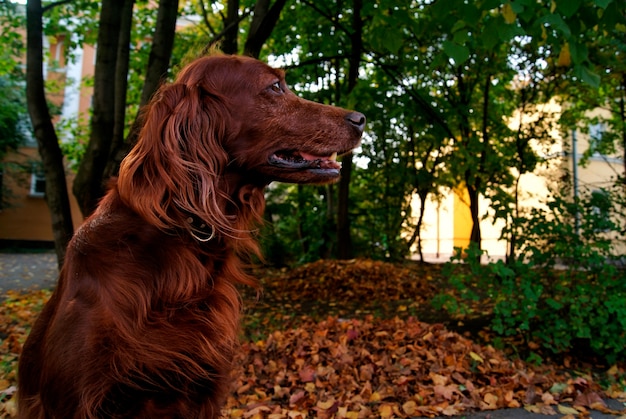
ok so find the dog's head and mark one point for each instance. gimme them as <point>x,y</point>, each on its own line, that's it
<point>229,125</point>
<point>264,127</point>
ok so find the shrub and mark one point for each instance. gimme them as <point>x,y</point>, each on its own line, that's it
<point>565,287</point>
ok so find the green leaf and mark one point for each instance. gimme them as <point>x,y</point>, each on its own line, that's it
<point>459,53</point>
<point>392,43</point>
<point>557,22</point>
<point>578,52</point>
<point>602,3</point>
<point>568,7</point>
<point>508,32</point>
<point>461,37</point>
<point>491,35</point>
<point>458,26</point>
<point>517,6</point>
<point>587,75</point>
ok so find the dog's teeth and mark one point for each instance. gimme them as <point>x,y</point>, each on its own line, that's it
<point>333,157</point>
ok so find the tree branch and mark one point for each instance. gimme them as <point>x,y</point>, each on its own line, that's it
<point>220,35</point>
<point>55,4</point>
<point>423,103</point>
<point>205,17</point>
<point>327,16</point>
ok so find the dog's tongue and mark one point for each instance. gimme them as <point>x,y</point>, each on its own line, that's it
<point>324,162</point>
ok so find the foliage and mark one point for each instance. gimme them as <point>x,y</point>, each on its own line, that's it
<point>75,130</point>
<point>381,208</point>
<point>74,23</point>
<point>298,228</point>
<point>13,121</point>
<point>441,94</point>
<point>13,112</point>
<point>13,46</point>
<point>567,289</point>
<point>603,108</point>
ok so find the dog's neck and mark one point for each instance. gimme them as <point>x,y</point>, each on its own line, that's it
<point>243,200</point>
<point>202,231</point>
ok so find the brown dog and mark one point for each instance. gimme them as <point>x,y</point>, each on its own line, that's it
<point>144,321</point>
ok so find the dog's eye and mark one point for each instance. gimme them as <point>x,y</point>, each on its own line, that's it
<point>276,87</point>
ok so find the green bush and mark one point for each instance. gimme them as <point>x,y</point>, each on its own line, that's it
<point>567,284</point>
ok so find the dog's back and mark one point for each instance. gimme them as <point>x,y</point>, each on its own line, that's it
<point>114,340</point>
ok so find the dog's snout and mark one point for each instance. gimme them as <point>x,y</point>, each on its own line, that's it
<point>357,120</point>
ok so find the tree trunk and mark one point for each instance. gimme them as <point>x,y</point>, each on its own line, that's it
<point>511,257</point>
<point>417,233</point>
<point>88,185</point>
<point>51,156</point>
<point>475,236</point>
<point>344,235</point>
<point>121,82</point>
<point>330,227</point>
<point>161,50</point>
<point>231,28</point>
<point>475,189</point>
<point>263,23</point>
<point>622,110</point>
<point>305,244</point>
<point>156,72</point>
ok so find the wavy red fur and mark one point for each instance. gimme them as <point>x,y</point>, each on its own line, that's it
<point>144,320</point>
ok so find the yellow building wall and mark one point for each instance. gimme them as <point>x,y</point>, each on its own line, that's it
<point>447,222</point>
<point>462,218</point>
<point>26,217</point>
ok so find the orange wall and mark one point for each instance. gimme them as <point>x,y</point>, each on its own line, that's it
<point>88,69</point>
<point>25,217</point>
<point>462,218</point>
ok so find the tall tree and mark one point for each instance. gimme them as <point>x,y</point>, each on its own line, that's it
<point>56,187</point>
<point>155,74</point>
<point>121,85</point>
<point>88,187</point>
<point>113,36</point>
<point>263,23</point>
<point>344,234</point>
<point>230,44</point>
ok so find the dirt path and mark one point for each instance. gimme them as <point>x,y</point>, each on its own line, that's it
<point>27,271</point>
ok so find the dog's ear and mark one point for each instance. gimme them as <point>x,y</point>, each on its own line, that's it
<point>171,177</point>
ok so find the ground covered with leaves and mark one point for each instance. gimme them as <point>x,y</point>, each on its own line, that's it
<point>358,339</point>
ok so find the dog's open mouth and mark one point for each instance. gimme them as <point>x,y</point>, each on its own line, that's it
<point>301,161</point>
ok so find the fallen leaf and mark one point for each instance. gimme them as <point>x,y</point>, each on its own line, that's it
<point>476,357</point>
<point>385,411</point>
<point>409,407</point>
<point>566,410</point>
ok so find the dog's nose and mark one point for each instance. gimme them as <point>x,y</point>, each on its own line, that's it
<point>357,120</point>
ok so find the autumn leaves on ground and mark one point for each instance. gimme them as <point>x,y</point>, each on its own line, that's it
<point>358,339</point>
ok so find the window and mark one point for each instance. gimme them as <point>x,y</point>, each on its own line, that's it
<point>596,132</point>
<point>37,184</point>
